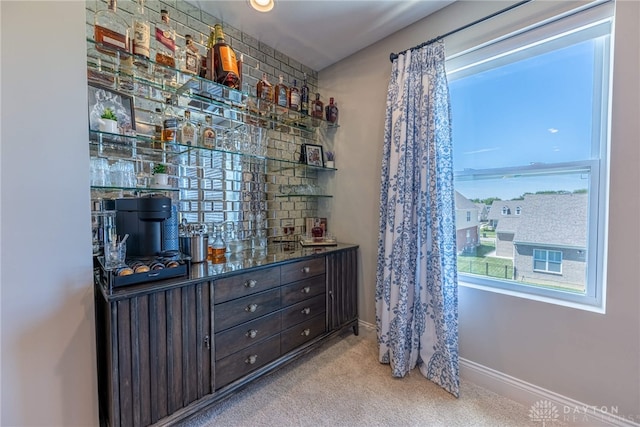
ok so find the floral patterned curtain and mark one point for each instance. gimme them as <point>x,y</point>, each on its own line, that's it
<point>416,280</point>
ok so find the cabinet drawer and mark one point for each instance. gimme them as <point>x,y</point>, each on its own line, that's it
<point>232,313</point>
<point>304,310</point>
<point>245,284</point>
<point>302,290</point>
<point>301,333</point>
<point>302,269</point>
<point>241,363</point>
<point>247,334</point>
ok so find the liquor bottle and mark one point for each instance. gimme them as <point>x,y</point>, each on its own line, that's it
<point>294,97</point>
<point>166,37</point>
<point>264,92</point>
<point>317,232</point>
<point>191,57</point>
<point>240,62</point>
<point>111,31</point>
<point>203,67</point>
<point>222,65</point>
<point>331,111</point>
<point>264,89</point>
<point>304,96</point>
<point>317,110</point>
<point>169,122</point>
<point>208,135</point>
<point>188,134</point>
<point>141,37</point>
<point>281,94</point>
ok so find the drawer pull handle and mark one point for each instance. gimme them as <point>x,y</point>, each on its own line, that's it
<point>251,359</point>
<point>251,308</point>
<point>306,310</point>
<point>306,332</point>
<point>250,283</point>
<point>252,333</point>
<point>306,290</point>
<point>306,269</point>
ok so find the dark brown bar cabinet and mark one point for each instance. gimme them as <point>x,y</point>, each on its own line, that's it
<point>169,349</point>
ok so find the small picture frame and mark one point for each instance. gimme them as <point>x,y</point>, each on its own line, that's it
<point>313,155</point>
<point>101,98</point>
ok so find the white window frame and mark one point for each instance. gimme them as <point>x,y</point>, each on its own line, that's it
<point>585,23</point>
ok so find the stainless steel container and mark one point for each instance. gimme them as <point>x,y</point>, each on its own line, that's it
<point>195,246</point>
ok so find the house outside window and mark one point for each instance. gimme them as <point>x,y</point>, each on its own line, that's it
<point>468,216</point>
<point>538,150</point>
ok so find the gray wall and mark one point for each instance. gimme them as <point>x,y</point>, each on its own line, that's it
<point>593,358</point>
<point>48,342</point>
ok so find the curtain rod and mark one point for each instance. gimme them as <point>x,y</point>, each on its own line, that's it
<point>394,56</point>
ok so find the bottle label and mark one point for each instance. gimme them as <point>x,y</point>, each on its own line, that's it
<point>169,134</point>
<point>110,38</point>
<point>191,62</point>
<point>188,133</point>
<point>209,138</point>
<point>295,100</point>
<point>228,59</point>
<point>165,38</point>
<point>141,38</point>
<point>282,97</point>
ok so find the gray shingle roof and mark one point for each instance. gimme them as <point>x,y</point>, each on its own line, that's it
<point>464,203</point>
<point>554,219</point>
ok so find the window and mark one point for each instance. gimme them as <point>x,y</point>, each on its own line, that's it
<point>468,216</point>
<point>549,261</point>
<point>530,133</point>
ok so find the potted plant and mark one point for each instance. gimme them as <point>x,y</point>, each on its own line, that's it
<point>108,121</point>
<point>330,159</point>
<point>160,177</point>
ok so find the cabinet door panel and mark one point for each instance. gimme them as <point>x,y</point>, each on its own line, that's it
<point>342,280</point>
<point>161,353</point>
<point>302,270</point>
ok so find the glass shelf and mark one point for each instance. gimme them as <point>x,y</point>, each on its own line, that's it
<point>318,196</point>
<point>144,142</point>
<point>205,94</point>
<point>137,189</point>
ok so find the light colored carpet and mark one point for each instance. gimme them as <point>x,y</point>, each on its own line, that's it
<point>343,384</point>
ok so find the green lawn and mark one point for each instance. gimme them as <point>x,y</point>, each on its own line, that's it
<point>479,263</point>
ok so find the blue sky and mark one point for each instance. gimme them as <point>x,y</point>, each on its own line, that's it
<point>535,110</point>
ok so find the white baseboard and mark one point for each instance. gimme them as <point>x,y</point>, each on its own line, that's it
<point>570,411</point>
<point>367,325</point>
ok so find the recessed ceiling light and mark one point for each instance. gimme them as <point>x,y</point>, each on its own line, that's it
<point>262,5</point>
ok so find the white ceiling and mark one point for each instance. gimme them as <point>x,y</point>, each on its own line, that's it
<point>320,33</point>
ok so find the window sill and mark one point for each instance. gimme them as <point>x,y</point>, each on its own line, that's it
<point>595,308</point>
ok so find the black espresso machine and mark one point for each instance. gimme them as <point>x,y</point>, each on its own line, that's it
<point>142,219</point>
